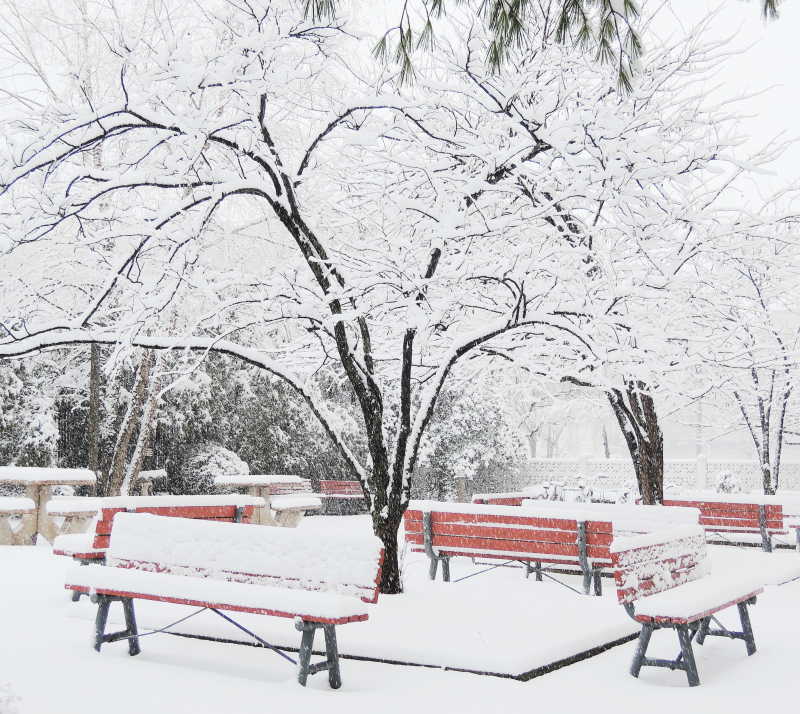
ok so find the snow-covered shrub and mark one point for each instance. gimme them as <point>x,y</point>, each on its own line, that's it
<point>209,460</point>
<point>727,482</point>
<point>9,702</point>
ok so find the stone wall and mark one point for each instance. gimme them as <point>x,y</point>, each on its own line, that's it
<point>678,473</point>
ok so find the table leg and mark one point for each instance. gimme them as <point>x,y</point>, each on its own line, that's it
<point>45,525</point>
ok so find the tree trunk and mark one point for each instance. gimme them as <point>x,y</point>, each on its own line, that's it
<point>638,420</point>
<point>386,529</point>
<point>128,425</point>
<point>93,417</point>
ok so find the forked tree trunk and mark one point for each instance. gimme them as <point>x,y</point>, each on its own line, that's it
<point>638,420</point>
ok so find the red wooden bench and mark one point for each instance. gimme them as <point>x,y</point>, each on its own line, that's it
<point>345,496</point>
<point>446,530</point>
<point>92,546</point>
<point>664,581</point>
<point>723,520</point>
<point>218,566</point>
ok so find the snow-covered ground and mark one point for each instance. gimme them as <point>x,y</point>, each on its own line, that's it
<point>495,621</point>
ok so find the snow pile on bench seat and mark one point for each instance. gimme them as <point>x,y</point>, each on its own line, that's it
<point>317,606</point>
<point>58,505</point>
<point>75,543</point>
<point>258,479</point>
<point>12,504</point>
<point>294,558</point>
<point>645,540</point>
<point>294,503</point>
<point>34,475</point>
<point>699,598</point>
<point>167,501</point>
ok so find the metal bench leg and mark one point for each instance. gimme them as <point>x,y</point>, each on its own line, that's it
<point>100,622</point>
<point>537,568</point>
<point>641,649</point>
<point>445,569</point>
<point>685,638</point>
<point>598,583</point>
<point>747,628</point>
<point>334,675</point>
<point>304,656</point>
<point>132,631</point>
<point>703,630</point>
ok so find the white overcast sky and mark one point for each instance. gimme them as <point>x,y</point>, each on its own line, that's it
<point>770,61</point>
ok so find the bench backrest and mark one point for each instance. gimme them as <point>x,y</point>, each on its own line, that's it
<point>734,517</point>
<point>284,557</point>
<point>218,508</point>
<point>652,563</point>
<point>506,532</point>
<point>290,488</point>
<point>341,488</point>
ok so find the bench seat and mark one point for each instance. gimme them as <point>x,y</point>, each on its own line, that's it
<point>78,546</point>
<point>294,503</point>
<point>323,607</point>
<point>698,599</point>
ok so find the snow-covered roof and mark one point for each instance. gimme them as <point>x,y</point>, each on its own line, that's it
<point>46,476</point>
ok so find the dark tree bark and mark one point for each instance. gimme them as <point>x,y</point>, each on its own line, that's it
<point>93,417</point>
<point>637,418</point>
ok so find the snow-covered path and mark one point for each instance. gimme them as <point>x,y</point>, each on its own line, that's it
<point>46,657</point>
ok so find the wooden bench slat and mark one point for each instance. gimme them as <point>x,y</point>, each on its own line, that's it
<point>507,533</point>
<point>542,522</point>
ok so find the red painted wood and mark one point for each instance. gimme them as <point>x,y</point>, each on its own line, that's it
<point>341,488</point>
<point>88,555</point>
<point>221,606</point>
<point>511,546</point>
<point>742,523</point>
<point>517,534</point>
<point>500,501</point>
<point>490,518</point>
<point>531,558</point>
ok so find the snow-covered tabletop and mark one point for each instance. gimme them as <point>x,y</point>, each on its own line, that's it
<point>67,505</point>
<point>12,504</point>
<point>35,476</point>
<point>257,479</point>
<point>38,482</point>
<point>279,510</point>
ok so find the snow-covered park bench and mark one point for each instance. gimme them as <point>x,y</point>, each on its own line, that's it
<point>17,520</point>
<point>733,517</point>
<point>664,580</point>
<point>287,497</point>
<point>342,497</point>
<point>92,546</point>
<point>559,534</point>
<point>216,566</point>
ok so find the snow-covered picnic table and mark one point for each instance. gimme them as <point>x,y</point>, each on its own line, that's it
<point>287,497</point>
<point>38,483</point>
